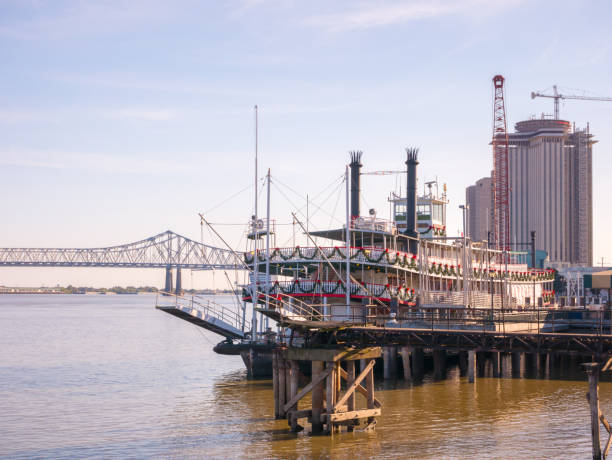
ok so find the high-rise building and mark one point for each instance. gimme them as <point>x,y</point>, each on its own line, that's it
<point>550,180</point>
<point>479,199</point>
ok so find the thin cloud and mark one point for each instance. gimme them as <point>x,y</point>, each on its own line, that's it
<point>52,159</point>
<point>386,14</point>
<point>141,114</point>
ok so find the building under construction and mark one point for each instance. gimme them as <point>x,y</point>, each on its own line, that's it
<point>550,180</point>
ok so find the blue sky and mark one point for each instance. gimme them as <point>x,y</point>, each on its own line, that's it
<point>121,119</point>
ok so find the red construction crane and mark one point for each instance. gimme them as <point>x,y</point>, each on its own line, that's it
<point>501,219</point>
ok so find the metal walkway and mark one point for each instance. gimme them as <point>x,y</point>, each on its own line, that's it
<point>220,319</point>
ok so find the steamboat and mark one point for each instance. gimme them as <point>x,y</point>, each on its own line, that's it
<point>373,271</point>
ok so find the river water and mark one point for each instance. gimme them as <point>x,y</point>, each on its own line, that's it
<point>110,376</point>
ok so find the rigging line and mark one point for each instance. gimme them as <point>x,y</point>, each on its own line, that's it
<point>299,210</point>
<point>227,199</point>
<point>255,276</point>
<point>363,286</point>
<point>234,300</point>
<point>320,207</point>
<point>312,200</point>
<point>336,205</point>
<point>331,184</point>
<point>292,203</point>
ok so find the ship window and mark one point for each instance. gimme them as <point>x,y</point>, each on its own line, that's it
<point>437,212</point>
<point>400,212</point>
<point>424,212</point>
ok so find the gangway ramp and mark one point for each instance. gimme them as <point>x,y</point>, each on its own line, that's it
<point>220,319</point>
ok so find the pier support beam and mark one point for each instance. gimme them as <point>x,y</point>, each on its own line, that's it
<point>496,360</point>
<point>337,409</point>
<point>390,362</point>
<point>516,364</point>
<point>439,357</point>
<point>463,363</point>
<point>417,363</point>
<point>481,363</point>
<point>317,398</point>
<point>471,366</point>
<point>406,355</point>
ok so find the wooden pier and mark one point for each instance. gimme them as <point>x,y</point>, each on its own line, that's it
<point>331,408</point>
<point>330,348</point>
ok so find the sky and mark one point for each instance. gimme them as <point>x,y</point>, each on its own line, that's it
<point>122,119</point>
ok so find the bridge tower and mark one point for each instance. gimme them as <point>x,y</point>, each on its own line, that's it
<point>168,287</point>
<point>179,284</point>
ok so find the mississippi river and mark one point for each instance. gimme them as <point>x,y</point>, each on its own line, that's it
<point>111,377</point>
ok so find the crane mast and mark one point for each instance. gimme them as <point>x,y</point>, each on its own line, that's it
<point>500,167</point>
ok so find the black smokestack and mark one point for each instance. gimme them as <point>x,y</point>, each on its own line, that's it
<point>411,197</point>
<point>355,167</point>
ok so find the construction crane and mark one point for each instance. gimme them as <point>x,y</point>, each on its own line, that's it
<point>556,96</point>
<point>501,206</point>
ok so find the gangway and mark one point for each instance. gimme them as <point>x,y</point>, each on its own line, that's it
<point>221,319</point>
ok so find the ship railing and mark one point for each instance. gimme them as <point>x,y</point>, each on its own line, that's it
<point>504,320</point>
<point>208,308</point>
<point>309,287</point>
<point>389,258</point>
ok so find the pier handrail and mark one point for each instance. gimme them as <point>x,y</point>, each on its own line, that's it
<point>211,308</point>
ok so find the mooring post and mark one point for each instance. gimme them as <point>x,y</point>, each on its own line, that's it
<point>592,370</point>
<point>317,398</point>
<point>406,352</point>
<point>471,366</point>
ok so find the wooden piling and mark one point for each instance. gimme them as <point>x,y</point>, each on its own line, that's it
<point>417,363</point>
<point>294,370</point>
<point>439,357</point>
<point>390,362</point>
<point>592,370</point>
<point>405,353</point>
<point>516,364</point>
<point>480,363</point>
<point>463,363</point>
<point>471,366</point>
<point>330,393</point>
<point>317,398</point>
<point>496,360</point>
<point>282,387</point>
<point>277,406</point>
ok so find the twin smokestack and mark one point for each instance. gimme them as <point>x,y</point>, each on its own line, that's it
<point>411,191</point>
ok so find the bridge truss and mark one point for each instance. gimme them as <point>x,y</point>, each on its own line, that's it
<point>165,250</point>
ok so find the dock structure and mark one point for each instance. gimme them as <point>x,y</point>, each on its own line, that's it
<point>331,408</point>
<point>326,345</point>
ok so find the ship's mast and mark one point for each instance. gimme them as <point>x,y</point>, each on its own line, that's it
<point>255,296</point>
